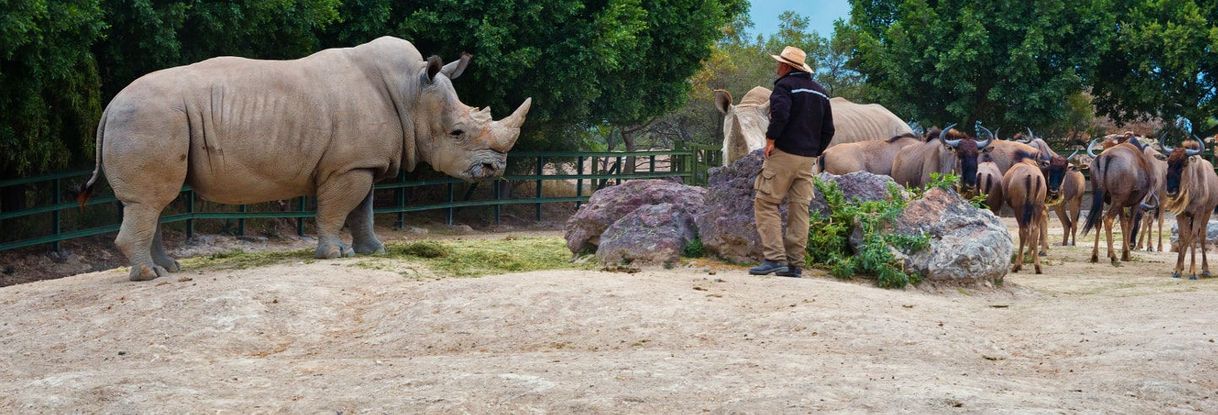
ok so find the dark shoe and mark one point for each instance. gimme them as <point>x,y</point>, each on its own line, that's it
<point>792,271</point>
<point>767,267</point>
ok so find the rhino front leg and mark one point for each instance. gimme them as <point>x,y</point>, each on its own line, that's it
<point>336,198</point>
<point>363,235</point>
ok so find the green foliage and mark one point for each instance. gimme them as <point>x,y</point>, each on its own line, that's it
<point>694,249</point>
<point>1008,63</point>
<point>1162,63</point>
<point>421,249</point>
<point>828,238</point>
<point>49,100</point>
<point>476,257</point>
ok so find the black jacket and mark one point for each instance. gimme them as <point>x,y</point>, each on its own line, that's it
<point>801,121</point>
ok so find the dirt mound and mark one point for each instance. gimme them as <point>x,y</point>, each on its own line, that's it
<point>333,336</point>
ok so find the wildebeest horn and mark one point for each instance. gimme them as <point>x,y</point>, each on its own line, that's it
<point>1152,196</point>
<point>1091,147</point>
<point>1030,137</point>
<point>943,137</point>
<point>1168,149</point>
<point>1191,152</point>
<point>983,144</point>
<point>1072,154</point>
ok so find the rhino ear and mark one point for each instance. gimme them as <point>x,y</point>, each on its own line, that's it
<point>723,100</point>
<point>455,68</point>
<point>434,64</point>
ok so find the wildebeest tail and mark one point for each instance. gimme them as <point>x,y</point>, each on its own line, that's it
<point>1097,195</point>
<point>1137,223</point>
<point>86,190</point>
<point>1029,205</point>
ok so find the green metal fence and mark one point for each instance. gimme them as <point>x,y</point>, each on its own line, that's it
<point>690,163</point>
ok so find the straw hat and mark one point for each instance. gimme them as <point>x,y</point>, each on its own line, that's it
<point>795,57</point>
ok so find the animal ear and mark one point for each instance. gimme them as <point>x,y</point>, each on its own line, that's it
<point>987,149</point>
<point>1072,167</point>
<point>434,64</point>
<point>1160,156</point>
<point>455,68</point>
<point>723,100</point>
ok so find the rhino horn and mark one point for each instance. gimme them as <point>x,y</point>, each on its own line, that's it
<point>507,129</point>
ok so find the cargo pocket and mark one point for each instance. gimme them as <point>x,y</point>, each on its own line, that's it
<point>765,184</point>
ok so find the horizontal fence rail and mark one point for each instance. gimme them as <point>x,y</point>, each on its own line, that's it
<point>593,171</point>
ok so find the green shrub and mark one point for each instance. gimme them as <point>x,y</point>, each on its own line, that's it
<point>828,237</point>
<point>694,249</point>
<point>421,249</point>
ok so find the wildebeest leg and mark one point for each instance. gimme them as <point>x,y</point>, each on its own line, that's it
<point>1095,249</point>
<point>135,238</point>
<point>1042,222</point>
<point>1160,215</point>
<point>363,235</point>
<point>1062,217</point>
<point>1023,239</point>
<point>1075,210</point>
<point>1126,227</point>
<point>336,198</point>
<point>1108,218</point>
<point>159,256</point>
<point>1043,236</point>
<point>1183,242</point>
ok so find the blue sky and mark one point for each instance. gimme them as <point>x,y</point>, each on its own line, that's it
<point>822,13</point>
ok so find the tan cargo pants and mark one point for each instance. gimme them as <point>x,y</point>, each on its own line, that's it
<point>782,176</point>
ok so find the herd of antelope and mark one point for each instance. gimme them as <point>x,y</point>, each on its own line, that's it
<point>1133,176</point>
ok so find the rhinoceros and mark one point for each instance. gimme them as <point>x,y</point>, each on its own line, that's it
<point>331,124</point>
<point>744,124</point>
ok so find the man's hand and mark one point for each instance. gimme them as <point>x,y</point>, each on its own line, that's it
<point>769,147</point>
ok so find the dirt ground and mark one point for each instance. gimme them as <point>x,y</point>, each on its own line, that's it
<point>328,336</point>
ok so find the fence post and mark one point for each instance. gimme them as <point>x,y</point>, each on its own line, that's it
<point>541,162</point>
<point>621,168</point>
<point>498,196</point>
<point>241,222</point>
<point>190,217</point>
<point>450,204</point>
<point>579,182</point>
<point>651,164</point>
<point>55,217</point>
<point>300,207</point>
<point>400,196</point>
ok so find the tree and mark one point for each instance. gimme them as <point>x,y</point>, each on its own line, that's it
<point>1163,63</point>
<point>1009,63</point>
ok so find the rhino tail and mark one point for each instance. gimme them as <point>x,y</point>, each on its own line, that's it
<point>86,190</point>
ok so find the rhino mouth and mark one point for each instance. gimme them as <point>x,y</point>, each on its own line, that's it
<point>486,166</point>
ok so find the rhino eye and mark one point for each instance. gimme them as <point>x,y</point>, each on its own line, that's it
<point>457,133</point>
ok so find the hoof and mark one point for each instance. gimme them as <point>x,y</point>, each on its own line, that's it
<point>1095,259</point>
<point>171,266</point>
<point>147,273</point>
<point>1038,271</point>
<point>1205,274</point>
<point>1043,253</point>
<point>373,247</point>
<point>331,251</point>
<point>1192,277</point>
<point>1115,262</point>
<point>1176,275</point>
<point>1015,269</point>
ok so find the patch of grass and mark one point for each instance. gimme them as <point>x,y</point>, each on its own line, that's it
<point>478,257</point>
<point>239,259</point>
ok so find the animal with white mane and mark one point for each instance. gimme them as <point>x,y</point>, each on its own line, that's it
<point>744,124</point>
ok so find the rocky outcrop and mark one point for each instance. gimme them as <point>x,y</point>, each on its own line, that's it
<point>652,234</point>
<point>967,245</point>
<point>608,205</point>
<point>727,226</point>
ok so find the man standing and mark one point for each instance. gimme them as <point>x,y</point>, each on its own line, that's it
<point>801,125</point>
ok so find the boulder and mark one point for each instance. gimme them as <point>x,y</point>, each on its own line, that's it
<point>651,234</point>
<point>1211,234</point>
<point>967,245</point>
<point>606,206</point>
<point>727,227</point>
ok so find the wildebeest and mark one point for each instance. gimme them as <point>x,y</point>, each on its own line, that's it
<point>989,183</point>
<point>1025,189</point>
<point>951,151</point>
<point>744,124</point>
<point>1123,178</point>
<point>1192,195</point>
<point>870,156</point>
<point>1072,186</point>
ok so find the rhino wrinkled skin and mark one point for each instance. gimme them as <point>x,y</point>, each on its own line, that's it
<point>242,131</point>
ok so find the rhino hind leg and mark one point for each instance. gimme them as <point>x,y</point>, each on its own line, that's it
<point>363,235</point>
<point>159,256</point>
<point>336,199</point>
<point>135,238</point>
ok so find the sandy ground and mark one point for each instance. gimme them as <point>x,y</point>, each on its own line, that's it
<point>331,337</point>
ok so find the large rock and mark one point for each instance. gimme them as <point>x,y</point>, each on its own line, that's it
<point>606,206</point>
<point>1211,232</point>
<point>651,234</point>
<point>967,245</point>
<point>727,226</point>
